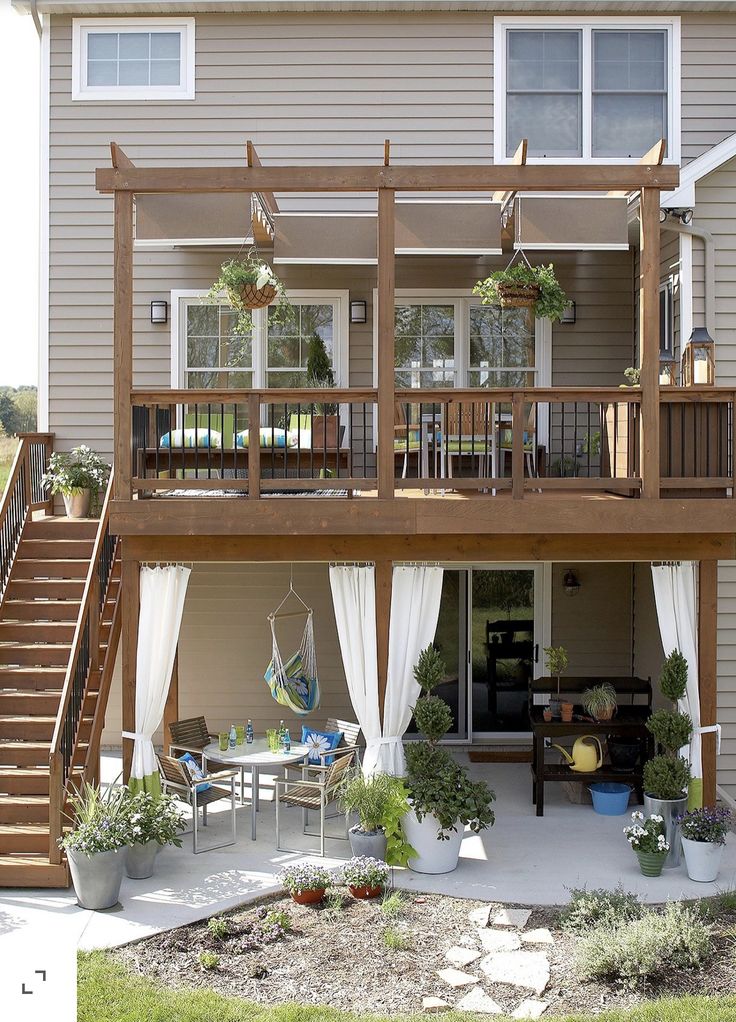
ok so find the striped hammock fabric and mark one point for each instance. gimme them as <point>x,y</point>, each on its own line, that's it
<point>294,683</point>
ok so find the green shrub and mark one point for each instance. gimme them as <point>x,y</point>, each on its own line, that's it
<point>666,777</point>
<point>670,729</point>
<point>369,797</point>
<point>599,908</point>
<point>673,678</point>
<point>209,960</point>
<point>430,669</point>
<point>219,927</point>
<point>433,717</point>
<point>656,946</point>
<point>394,940</point>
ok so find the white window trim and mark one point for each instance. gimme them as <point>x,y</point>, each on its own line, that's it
<point>81,28</point>
<point>340,300</point>
<point>500,29</point>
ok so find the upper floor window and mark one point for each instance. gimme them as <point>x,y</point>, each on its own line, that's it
<point>601,90</point>
<point>133,59</point>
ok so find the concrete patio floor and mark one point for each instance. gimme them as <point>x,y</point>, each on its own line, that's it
<point>522,859</point>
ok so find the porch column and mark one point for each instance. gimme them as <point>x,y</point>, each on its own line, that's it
<point>649,273</point>
<point>130,605</point>
<point>708,670</point>
<point>171,709</point>
<point>385,359</point>
<point>123,341</point>
<point>384,578</point>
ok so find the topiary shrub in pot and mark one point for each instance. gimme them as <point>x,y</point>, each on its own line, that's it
<point>443,798</point>
<point>667,775</point>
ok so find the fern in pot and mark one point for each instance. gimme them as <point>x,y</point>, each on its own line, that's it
<point>443,799</point>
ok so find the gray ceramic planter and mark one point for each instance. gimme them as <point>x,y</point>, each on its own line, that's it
<point>372,844</point>
<point>97,877</point>
<point>140,860</point>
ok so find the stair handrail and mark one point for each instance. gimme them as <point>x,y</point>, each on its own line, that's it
<point>83,660</point>
<point>23,494</point>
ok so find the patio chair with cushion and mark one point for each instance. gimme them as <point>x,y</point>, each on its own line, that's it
<point>350,732</point>
<point>471,434</point>
<point>314,794</point>
<point>190,735</point>
<point>199,793</point>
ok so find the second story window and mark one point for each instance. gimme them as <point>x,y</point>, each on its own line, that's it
<point>603,90</point>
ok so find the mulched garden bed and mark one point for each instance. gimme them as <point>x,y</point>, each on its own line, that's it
<point>338,954</point>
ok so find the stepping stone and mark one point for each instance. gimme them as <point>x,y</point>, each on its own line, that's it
<point>528,969</point>
<point>456,978</point>
<point>540,936</point>
<point>515,917</point>
<point>433,1005</point>
<point>530,1009</point>
<point>462,955</point>
<point>499,940</point>
<point>480,915</point>
<point>478,1000</point>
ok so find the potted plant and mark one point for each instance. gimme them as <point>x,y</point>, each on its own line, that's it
<point>155,821</point>
<point>95,847</point>
<point>305,883</point>
<point>78,475</point>
<point>599,701</point>
<point>520,286</point>
<point>249,283</point>
<point>365,877</point>
<point>703,834</point>
<point>647,838</point>
<point>442,798</point>
<point>556,661</point>
<point>371,798</point>
<point>667,775</point>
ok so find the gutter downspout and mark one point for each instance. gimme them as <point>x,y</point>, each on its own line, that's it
<point>709,281</point>
<point>36,19</point>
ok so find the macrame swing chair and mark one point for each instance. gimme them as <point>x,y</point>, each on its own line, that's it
<point>294,683</point>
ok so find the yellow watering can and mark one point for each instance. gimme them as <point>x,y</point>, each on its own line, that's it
<point>583,758</point>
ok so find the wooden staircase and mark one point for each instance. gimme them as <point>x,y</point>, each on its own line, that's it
<point>59,628</point>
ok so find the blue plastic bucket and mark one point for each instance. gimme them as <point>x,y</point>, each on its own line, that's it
<point>610,798</point>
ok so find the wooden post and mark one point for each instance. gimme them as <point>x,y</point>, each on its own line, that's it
<point>384,576</point>
<point>123,342</point>
<point>649,273</point>
<point>130,606</point>
<point>385,360</point>
<point>517,446</point>
<point>171,709</point>
<point>708,670</point>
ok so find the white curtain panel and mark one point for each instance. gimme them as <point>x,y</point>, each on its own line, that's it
<point>675,591</point>
<point>162,594</point>
<point>416,591</point>
<point>354,601</point>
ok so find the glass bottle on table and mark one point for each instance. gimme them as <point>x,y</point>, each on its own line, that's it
<point>287,741</point>
<point>249,732</point>
<point>281,732</point>
<point>233,736</point>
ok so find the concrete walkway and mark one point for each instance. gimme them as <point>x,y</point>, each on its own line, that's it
<point>521,859</point>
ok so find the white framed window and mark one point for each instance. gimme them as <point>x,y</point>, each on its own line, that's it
<point>603,90</point>
<point>132,58</point>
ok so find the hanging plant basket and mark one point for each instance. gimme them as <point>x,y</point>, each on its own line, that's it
<point>518,296</point>
<point>248,282</point>
<point>523,286</point>
<point>248,296</point>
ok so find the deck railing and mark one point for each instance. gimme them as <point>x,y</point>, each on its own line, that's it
<point>24,493</point>
<point>495,441</point>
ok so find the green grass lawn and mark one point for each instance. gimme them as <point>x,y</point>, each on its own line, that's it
<point>7,453</point>
<point>108,993</point>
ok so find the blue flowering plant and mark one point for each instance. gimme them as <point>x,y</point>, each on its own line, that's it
<point>363,871</point>
<point>305,877</point>
<point>154,818</point>
<point>101,820</point>
<point>709,825</point>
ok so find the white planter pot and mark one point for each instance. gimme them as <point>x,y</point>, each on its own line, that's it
<point>433,855</point>
<point>703,859</point>
<point>77,503</point>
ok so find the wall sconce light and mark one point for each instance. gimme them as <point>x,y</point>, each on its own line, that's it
<point>358,312</point>
<point>159,311</point>
<point>699,359</point>
<point>568,316</point>
<point>570,583</point>
<point>667,370</point>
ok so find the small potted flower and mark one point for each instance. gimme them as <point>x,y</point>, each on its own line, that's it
<point>365,877</point>
<point>95,847</point>
<point>305,883</point>
<point>155,821</point>
<point>703,833</point>
<point>647,837</point>
<point>78,475</point>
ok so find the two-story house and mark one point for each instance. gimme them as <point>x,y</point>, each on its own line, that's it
<point>480,439</point>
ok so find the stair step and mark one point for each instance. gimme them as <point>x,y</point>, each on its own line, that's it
<point>33,704</point>
<point>24,780</point>
<point>52,589</point>
<point>32,678</point>
<point>36,631</point>
<point>32,871</point>
<point>24,837</point>
<point>24,808</point>
<point>40,655</point>
<point>35,729</point>
<point>56,527</point>
<point>31,753</point>
<point>41,610</point>
<point>44,567</point>
<point>56,549</point>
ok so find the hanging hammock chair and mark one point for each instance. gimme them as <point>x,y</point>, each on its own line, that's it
<point>294,683</point>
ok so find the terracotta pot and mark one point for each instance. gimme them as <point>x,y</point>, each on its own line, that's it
<point>547,715</point>
<point>606,714</point>
<point>324,432</point>
<point>308,897</point>
<point>365,892</point>
<point>566,712</point>
<point>251,297</point>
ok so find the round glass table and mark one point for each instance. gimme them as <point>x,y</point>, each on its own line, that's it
<point>253,757</point>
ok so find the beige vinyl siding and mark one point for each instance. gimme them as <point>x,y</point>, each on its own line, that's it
<point>595,627</point>
<point>708,81</point>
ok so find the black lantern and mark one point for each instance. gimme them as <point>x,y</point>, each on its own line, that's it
<point>570,583</point>
<point>667,370</point>
<point>699,360</point>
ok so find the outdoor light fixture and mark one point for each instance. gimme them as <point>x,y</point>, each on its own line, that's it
<point>568,316</point>
<point>699,359</point>
<point>159,311</point>
<point>684,215</point>
<point>667,370</point>
<point>358,312</point>
<point>570,583</point>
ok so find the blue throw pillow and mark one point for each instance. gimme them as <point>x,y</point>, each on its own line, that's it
<point>194,770</point>
<point>320,742</point>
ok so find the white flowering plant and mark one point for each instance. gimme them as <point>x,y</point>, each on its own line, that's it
<point>647,834</point>
<point>237,274</point>
<point>154,818</point>
<point>76,470</point>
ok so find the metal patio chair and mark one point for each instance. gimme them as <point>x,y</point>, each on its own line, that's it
<point>190,735</point>
<point>175,778</point>
<point>312,794</point>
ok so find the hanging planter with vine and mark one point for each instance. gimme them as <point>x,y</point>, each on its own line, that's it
<point>524,286</point>
<point>249,283</point>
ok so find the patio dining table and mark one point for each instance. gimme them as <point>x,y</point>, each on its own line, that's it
<point>252,757</point>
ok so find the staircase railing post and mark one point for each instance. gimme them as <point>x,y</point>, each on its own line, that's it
<point>56,805</point>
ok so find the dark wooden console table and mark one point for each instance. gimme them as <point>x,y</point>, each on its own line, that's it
<point>629,722</point>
